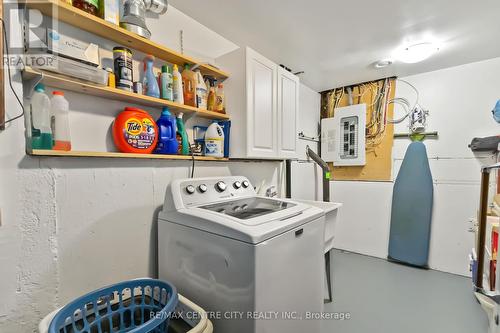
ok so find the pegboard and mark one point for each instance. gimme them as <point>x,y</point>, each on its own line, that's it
<point>379,152</point>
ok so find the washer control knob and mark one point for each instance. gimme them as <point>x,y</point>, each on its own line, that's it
<point>246,183</point>
<point>202,188</point>
<point>221,186</point>
<point>237,184</point>
<point>190,189</point>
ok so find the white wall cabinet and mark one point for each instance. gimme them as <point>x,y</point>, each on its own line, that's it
<point>288,113</point>
<point>263,102</point>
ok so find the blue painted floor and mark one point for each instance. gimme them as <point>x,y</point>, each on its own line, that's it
<point>383,297</point>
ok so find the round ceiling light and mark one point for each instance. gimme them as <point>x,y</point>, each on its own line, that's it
<point>383,63</point>
<point>417,52</point>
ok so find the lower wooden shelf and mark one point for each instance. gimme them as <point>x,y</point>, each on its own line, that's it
<point>58,153</point>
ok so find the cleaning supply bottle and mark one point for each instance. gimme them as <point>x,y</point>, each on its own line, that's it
<point>219,99</point>
<point>135,131</point>
<point>211,95</point>
<point>60,120</point>
<point>201,91</point>
<point>189,86</point>
<point>41,133</point>
<point>214,141</point>
<point>166,83</point>
<point>177,91</point>
<point>167,133</point>
<point>150,84</point>
<point>182,137</point>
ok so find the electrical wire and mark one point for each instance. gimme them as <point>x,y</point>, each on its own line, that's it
<point>191,149</point>
<point>417,94</point>
<point>6,49</point>
<point>403,102</point>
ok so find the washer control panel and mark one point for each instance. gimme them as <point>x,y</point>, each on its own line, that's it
<point>206,190</point>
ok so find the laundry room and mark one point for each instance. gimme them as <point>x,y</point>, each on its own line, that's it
<point>249,166</point>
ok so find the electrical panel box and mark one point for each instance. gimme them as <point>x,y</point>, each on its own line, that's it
<point>343,137</point>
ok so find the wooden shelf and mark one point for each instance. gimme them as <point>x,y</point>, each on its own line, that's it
<point>64,82</point>
<point>93,24</point>
<point>58,153</point>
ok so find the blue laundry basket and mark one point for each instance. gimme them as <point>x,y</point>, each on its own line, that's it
<point>135,306</point>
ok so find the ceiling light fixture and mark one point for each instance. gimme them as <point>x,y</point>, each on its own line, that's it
<point>416,53</point>
<point>383,63</point>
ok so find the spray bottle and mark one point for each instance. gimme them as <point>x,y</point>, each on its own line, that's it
<point>150,84</point>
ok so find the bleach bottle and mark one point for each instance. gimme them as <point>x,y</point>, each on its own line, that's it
<point>214,141</point>
<point>167,129</point>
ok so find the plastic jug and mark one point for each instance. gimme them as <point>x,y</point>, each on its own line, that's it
<point>220,99</point>
<point>182,137</point>
<point>166,83</point>
<point>211,94</point>
<point>150,83</point>
<point>41,133</point>
<point>60,121</point>
<point>214,141</point>
<point>201,91</point>
<point>167,133</point>
<point>189,86</point>
<point>177,88</point>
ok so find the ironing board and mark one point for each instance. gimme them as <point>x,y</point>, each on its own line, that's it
<point>411,212</point>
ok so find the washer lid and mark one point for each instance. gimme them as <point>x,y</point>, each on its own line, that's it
<point>248,208</point>
<point>262,219</point>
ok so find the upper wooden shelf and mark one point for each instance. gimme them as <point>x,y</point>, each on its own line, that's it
<point>93,24</point>
<point>58,153</point>
<point>66,83</point>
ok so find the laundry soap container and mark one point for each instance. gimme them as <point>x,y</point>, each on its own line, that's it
<point>41,132</point>
<point>167,138</point>
<point>60,121</point>
<point>135,131</point>
<point>214,141</point>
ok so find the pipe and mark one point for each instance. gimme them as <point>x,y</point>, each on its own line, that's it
<point>326,172</point>
<point>407,135</point>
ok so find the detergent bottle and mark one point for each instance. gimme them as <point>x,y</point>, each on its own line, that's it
<point>201,91</point>
<point>150,82</point>
<point>167,133</point>
<point>214,141</point>
<point>60,115</point>
<point>178,94</point>
<point>189,86</point>
<point>219,99</point>
<point>41,133</point>
<point>211,94</point>
<point>166,83</point>
<point>135,131</point>
<point>182,137</point>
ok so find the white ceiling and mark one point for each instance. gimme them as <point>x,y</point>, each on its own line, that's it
<point>336,42</point>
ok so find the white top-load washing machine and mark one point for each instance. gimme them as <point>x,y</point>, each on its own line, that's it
<point>255,264</point>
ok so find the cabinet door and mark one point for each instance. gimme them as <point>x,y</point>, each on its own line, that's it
<point>262,135</point>
<point>288,113</point>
